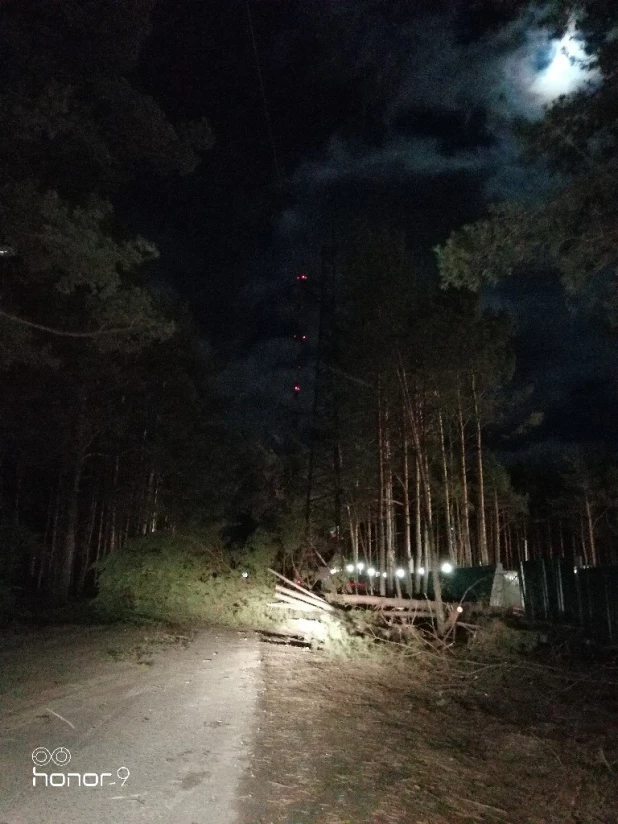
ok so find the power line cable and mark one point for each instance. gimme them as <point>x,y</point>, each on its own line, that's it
<point>299,335</point>
<point>267,118</point>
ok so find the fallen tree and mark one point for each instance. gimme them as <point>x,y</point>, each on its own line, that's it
<point>370,617</point>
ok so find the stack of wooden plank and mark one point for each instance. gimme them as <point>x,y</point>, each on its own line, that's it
<point>290,595</point>
<point>293,596</point>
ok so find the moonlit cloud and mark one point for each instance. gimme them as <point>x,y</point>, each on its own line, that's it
<point>567,69</point>
<point>344,159</point>
<point>542,68</point>
<point>427,139</point>
<point>513,72</point>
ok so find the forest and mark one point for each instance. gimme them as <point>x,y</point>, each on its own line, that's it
<point>417,446</point>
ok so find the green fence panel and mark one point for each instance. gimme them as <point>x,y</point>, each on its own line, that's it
<point>465,583</point>
<point>554,591</point>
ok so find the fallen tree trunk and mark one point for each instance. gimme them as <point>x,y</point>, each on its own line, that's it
<point>380,602</point>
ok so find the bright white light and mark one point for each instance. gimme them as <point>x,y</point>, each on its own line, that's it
<point>447,568</point>
<point>360,567</point>
<point>384,574</point>
<point>245,574</point>
<point>568,67</point>
<point>371,572</point>
<point>349,568</point>
<point>400,573</point>
<point>334,571</point>
<point>421,570</point>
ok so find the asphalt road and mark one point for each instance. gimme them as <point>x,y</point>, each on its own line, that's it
<point>164,743</point>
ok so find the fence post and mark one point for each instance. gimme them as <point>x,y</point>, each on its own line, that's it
<point>545,587</point>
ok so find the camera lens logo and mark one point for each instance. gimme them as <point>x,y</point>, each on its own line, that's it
<point>42,756</point>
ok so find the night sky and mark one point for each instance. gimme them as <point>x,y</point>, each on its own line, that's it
<point>379,110</point>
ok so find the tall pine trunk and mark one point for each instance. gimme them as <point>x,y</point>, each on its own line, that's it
<point>448,523</point>
<point>381,516</point>
<point>65,558</point>
<point>481,518</point>
<point>425,488</point>
<point>418,532</point>
<point>591,536</point>
<point>465,508</point>
<point>497,554</point>
<point>388,504</point>
<point>407,519</point>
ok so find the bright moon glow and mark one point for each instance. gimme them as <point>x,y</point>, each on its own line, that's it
<point>566,69</point>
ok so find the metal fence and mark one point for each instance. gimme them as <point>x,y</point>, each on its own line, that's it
<point>557,592</point>
<point>467,583</point>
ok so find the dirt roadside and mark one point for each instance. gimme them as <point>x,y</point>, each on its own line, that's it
<point>218,728</point>
<point>431,743</point>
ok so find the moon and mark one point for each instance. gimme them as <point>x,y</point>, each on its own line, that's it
<point>562,67</point>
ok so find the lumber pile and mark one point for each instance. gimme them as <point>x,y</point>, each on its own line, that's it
<point>290,595</point>
<point>293,596</point>
<point>387,618</point>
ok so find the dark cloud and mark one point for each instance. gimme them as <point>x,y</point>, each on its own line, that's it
<point>380,109</point>
<point>427,100</point>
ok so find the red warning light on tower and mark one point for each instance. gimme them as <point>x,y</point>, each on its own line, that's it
<point>296,389</point>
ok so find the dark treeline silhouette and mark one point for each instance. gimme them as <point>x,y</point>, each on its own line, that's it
<point>110,426</point>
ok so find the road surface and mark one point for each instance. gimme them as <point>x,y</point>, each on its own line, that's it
<point>163,741</point>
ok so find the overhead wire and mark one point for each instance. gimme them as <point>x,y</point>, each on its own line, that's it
<point>267,118</point>
<point>301,290</point>
<point>299,337</point>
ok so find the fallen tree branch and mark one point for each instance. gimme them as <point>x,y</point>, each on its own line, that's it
<point>67,333</point>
